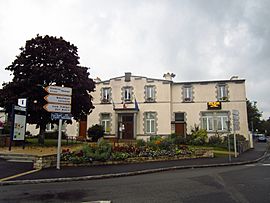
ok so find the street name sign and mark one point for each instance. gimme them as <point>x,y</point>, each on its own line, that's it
<point>63,116</point>
<point>59,99</point>
<point>61,108</point>
<point>59,90</point>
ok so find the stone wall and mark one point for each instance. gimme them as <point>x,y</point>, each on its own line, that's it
<point>46,161</point>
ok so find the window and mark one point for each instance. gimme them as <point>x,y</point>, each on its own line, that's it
<point>222,92</point>
<point>150,94</point>
<point>187,93</point>
<point>215,121</point>
<point>180,117</point>
<point>49,127</point>
<point>106,122</point>
<point>127,93</point>
<point>106,95</point>
<point>150,122</point>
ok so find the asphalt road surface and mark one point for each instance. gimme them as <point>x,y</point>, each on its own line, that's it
<point>13,168</point>
<point>246,183</point>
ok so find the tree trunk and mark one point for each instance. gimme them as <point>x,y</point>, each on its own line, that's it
<point>41,136</point>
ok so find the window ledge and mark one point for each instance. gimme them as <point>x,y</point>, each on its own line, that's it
<point>105,102</point>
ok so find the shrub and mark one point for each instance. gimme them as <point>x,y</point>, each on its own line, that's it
<point>87,150</point>
<point>215,140</point>
<point>96,132</point>
<point>119,156</point>
<point>239,138</point>
<point>199,136</point>
<point>140,143</point>
<point>178,139</point>
<point>166,144</point>
<point>154,142</point>
<point>102,151</point>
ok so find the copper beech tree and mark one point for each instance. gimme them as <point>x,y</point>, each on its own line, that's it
<point>44,61</point>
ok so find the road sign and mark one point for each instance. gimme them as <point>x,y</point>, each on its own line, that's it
<point>22,102</point>
<point>64,116</point>
<point>61,108</point>
<point>59,90</point>
<point>19,108</point>
<point>59,99</point>
<point>236,123</point>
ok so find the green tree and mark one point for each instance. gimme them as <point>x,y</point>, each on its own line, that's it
<point>265,127</point>
<point>47,61</point>
<point>254,116</point>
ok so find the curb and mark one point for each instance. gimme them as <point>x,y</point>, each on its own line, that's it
<point>147,171</point>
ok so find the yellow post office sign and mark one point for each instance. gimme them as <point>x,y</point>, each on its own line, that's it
<point>213,105</point>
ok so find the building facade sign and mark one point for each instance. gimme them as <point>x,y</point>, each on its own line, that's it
<point>213,105</point>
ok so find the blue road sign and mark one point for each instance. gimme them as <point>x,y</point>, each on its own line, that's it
<point>63,116</point>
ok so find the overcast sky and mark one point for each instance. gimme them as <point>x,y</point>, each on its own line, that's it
<point>196,40</point>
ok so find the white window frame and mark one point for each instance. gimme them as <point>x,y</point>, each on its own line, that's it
<point>222,92</point>
<point>209,123</point>
<point>187,90</point>
<point>215,122</point>
<point>150,93</point>
<point>106,123</point>
<point>150,124</point>
<point>223,120</point>
<point>127,93</point>
<point>106,94</point>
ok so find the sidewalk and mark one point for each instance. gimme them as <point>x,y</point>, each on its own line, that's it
<point>97,172</point>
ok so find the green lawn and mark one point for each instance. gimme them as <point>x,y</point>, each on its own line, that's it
<point>51,142</point>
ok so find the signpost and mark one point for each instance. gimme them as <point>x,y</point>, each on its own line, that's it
<point>59,103</point>
<point>235,128</point>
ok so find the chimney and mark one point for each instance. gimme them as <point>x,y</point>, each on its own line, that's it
<point>168,76</point>
<point>97,80</point>
<point>234,77</point>
<point>127,77</point>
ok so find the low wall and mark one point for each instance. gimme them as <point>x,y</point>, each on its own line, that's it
<point>46,161</point>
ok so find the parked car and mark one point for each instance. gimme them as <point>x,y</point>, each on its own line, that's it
<point>262,138</point>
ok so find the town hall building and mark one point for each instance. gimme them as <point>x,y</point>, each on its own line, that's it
<point>137,107</point>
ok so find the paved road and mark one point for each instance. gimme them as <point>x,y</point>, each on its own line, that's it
<point>11,168</point>
<point>245,183</point>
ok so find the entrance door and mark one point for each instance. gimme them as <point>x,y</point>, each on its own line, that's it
<point>180,128</point>
<point>127,121</point>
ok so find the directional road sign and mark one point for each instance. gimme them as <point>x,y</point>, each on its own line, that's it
<point>59,90</point>
<point>59,99</point>
<point>61,108</point>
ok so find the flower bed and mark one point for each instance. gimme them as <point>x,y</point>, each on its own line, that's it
<point>155,150</point>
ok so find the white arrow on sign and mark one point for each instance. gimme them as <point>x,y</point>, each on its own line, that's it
<point>59,99</point>
<point>59,90</point>
<point>61,108</point>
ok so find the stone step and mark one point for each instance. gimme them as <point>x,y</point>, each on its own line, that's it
<point>20,161</point>
<point>18,157</point>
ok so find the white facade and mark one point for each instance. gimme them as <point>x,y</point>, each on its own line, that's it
<point>133,107</point>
